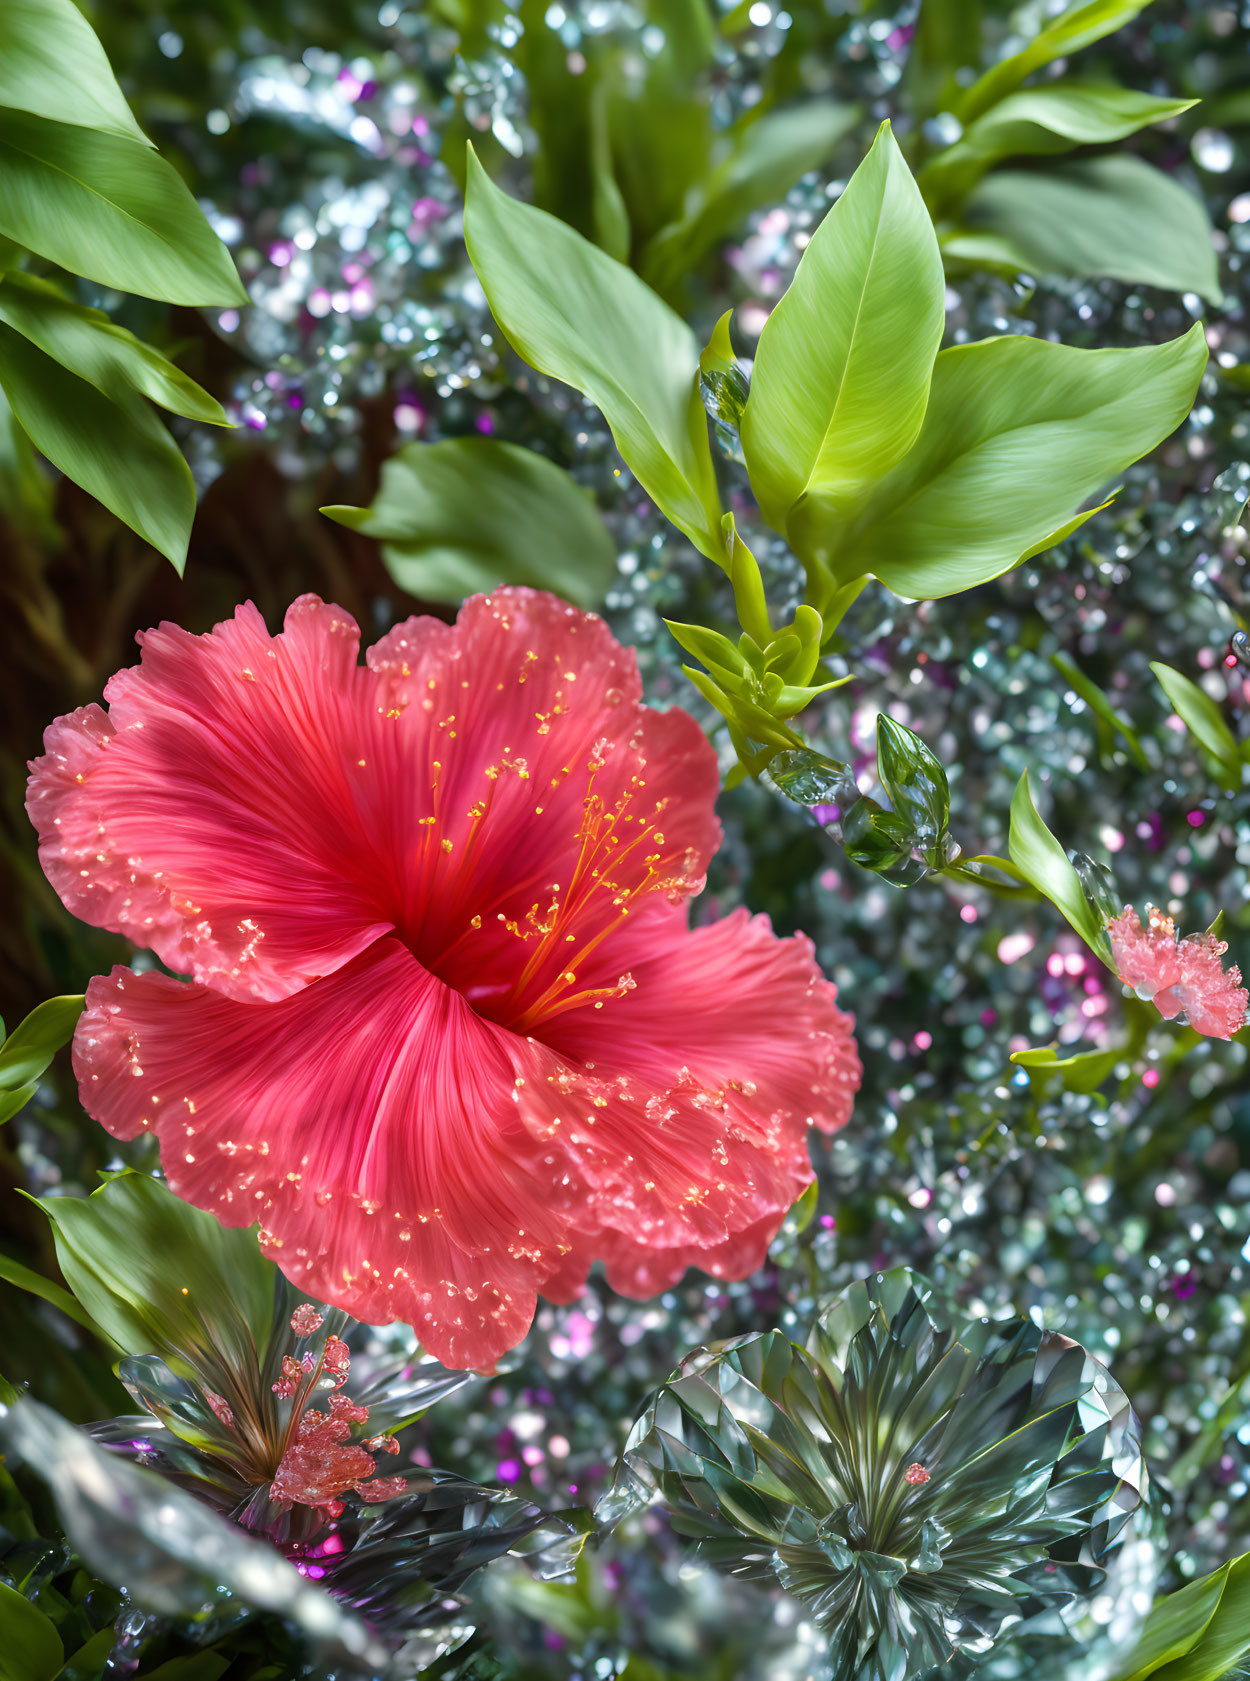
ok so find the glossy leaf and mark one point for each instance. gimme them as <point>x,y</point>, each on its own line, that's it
<point>117,450</point>
<point>1203,719</point>
<point>110,209</point>
<point>87,343</point>
<point>1017,434</point>
<point>1113,216</point>
<point>765,159</point>
<point>841,374</point>
<point>1080,26</point>
<point>30,1647</point>
<point>30,1048</point>
<point>1047,119</point>
<point>161,1277</point>
<point>1199,1633</point>
<point>52,63</point>
<point>580,317</point>
<point>915,779</point>
<point>723,386</point>
<point>1039,857</point>
<point>466,514</point>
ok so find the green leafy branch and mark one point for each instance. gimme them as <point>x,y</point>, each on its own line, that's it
<point>82,190</point>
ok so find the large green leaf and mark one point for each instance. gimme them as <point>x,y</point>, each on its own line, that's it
<point>30,1647</point>
<point>841,375</point>
<point>115,449</point>
<point>469,513</point>
<point>1018,433</point>
<point>87,343</point>
<point>764,161</point>
<point>161,1277</point>
<point>30,1048</point>
<point>1199,1633</point>
<point>111,209</point>
<point>1113,216</point>
<point>1038,856</point>
<point>1037,121</point>
<point>1080,26</point>
<point>1203,719</point>
<point>579,316</point>
<point>52,64</point>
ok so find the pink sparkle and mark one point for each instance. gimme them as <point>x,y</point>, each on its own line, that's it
<point>915,1474</point>
<point>305,1320</point>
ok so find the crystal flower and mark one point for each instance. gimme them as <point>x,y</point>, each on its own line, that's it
<point>448,1036</point>
<point>252,1467</point>
<point>1183,978</point>
<point>923,1483</point>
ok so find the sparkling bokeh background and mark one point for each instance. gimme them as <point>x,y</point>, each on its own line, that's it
<point>323,141</point>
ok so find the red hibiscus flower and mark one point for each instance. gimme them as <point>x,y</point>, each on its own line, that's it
<point>1180,976</point>
<point>447,1035</point>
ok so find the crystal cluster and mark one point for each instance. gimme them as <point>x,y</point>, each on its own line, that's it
<point>922,1481</point>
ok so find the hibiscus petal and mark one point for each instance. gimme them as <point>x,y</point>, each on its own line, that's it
<point>685,1104</point>
<point>560,800</point>
<point>219,812</point>
<point>370,1123</point>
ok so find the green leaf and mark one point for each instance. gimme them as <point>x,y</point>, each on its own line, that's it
<point>1017,434</point>
<point>13,1099</point>
<point>1080,26</point>
<point>31,1649</point>
<point>1037,121</point>
<point>161,1277</point>
<point>26,1278</point>
<point>915,780</point>
<point>803,1212</point>
<point>109,208</point>
<point>88,1662</point>
<point>1084,1072</point>
<point>1198,1633</point>
<point>578,316</point>
<point>1113,216</point>
<point>841,374</point>
<point>1039,857</point>
<point>34,1042</point>
<point>1204,720</point>
<point>466,514</point>
<point>1099,705</point>
<point>717,653</point>
<point>27,491</point>
<point>118,451</point>
<point>87,343</point>
<point>766,158</point>
<point>947,40</point>
<point>51,63</point>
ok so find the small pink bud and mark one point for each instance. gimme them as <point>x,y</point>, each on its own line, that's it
<point>220,1406</point>
<point>915,1474</point>
<point>305,1320</point>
